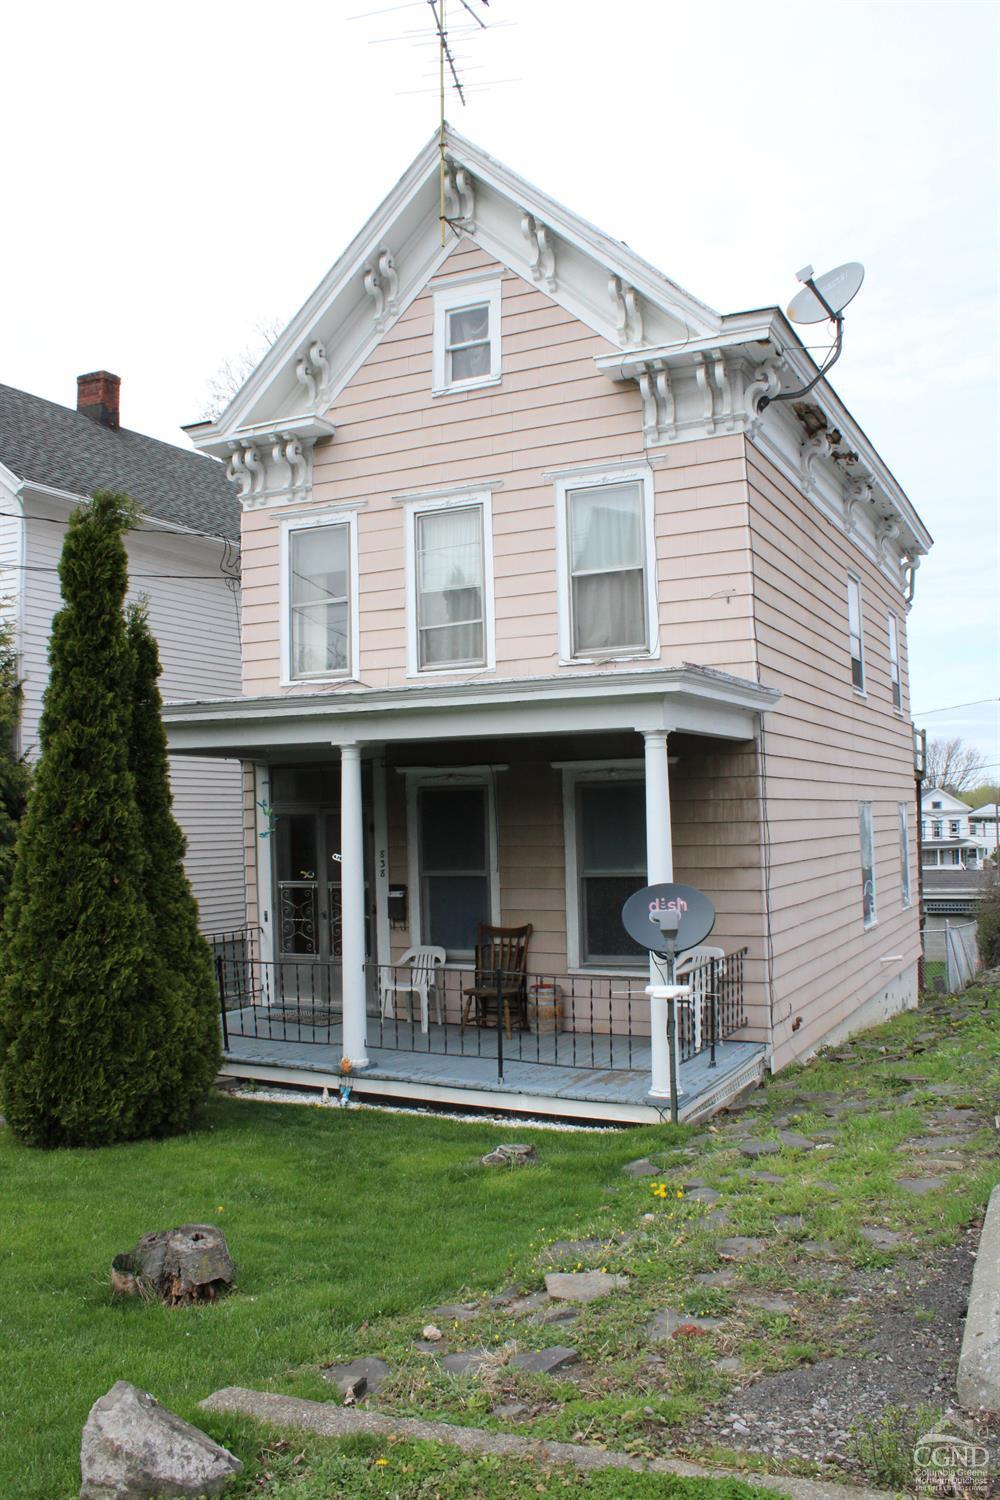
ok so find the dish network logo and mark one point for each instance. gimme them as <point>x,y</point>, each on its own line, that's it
<point>678,904</point>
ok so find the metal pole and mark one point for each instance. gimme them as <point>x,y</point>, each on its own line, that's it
<point>714,1009</point>
<point>221,979</point>
<point>496,983</point>
<point>672,1044</point>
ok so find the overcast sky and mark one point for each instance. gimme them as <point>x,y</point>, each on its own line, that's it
<point>177,177</point>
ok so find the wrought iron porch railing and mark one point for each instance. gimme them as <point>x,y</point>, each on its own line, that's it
<point>572,1021</point>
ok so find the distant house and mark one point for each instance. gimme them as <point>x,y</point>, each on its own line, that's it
<point>984,824</point>
<point>950,832</point>
<point>556,583</point>
<point>183,557</point>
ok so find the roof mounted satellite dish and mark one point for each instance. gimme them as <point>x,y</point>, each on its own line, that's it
<point>822,297</point>
<point>827,295</point>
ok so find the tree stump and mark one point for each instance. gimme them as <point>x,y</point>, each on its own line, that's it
<point>188,1264</point>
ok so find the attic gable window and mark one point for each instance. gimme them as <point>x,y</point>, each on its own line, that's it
<point>466,335</point>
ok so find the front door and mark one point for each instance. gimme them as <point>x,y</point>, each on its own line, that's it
<point>307,872</point>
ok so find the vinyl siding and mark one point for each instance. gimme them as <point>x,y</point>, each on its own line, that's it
<point>827,748</point>
<point>194,622</point>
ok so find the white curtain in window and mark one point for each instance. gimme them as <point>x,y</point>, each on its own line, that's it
<point>450,586</point>
<point>318,559</point>
<point>606,558</point>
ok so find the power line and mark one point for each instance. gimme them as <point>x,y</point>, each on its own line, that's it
<point>976,703</point>
<point>165,530</point>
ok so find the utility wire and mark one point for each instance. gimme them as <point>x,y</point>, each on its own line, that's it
<point>976,703</point>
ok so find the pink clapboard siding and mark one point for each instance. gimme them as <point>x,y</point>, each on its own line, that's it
<point>827,748</point>
<point>552,410</point>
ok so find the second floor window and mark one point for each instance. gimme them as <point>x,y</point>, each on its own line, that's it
<point>937,829</point>
<point>319,602</point>
<point>449,587</point>
<point>855,632</point>
<point>608,569</point>
<point>954,828</point>
<point>895,684</point>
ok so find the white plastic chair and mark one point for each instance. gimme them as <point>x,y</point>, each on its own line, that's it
<point>693,968</point>
<point>421,979</point>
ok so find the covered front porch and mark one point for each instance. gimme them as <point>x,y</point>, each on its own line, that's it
<point>380,823</point>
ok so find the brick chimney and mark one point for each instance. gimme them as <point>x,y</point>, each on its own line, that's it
<point>97,397</point>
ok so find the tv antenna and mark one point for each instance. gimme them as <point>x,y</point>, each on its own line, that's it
<point>447,57</point>
<point>821,297</point>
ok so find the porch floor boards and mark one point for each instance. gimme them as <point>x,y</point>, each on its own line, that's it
<point>593,1078</point>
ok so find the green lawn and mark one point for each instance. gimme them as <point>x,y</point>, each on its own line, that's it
<point>347,1227</point>
<point>333,1218</point>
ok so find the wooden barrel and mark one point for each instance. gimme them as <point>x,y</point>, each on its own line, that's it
<point>545,1008</point>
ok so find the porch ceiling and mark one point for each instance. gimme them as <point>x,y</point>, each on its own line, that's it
<point>692,700</point>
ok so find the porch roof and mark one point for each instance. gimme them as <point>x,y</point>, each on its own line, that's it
<point>695,700</point>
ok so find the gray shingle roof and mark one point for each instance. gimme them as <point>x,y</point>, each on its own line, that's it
<point>939,878</point>
<point>54,445</point>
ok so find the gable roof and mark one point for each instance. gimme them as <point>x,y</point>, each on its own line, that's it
<point>47,444</point>
<point>949,802</point>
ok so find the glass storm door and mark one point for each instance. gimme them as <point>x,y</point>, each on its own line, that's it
<point>307,873</point>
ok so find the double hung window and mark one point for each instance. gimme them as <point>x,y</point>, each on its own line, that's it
<point>450,584</point>
<point>611,860</point>
<point>867,863</point>
<point>453,838</point>
<point>895,684</point>
<point>856,634</point>
<point>607,571</point>
<point>319,615</point>
<point>466,335</point>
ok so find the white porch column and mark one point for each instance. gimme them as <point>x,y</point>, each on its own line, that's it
<point>352,877</point>
<point>659,871</point>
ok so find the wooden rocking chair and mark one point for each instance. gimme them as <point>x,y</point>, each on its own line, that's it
<point>503,951</point>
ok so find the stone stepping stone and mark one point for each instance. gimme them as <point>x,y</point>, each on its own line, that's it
<point>546,1361</point>
<point>717,1219</point>
<point>954,1119</point>
<point>731,1365</point>
<point>570,1250</point>
<point>767,1303</point>
<point>534,1302</point>
<point>740,1247</point>
<point>559,1315</point>
<point>664,1325</point>
<point>642,1168</point>
<point>454,1312</point>
<point>427,1346</point>
<point>932,1143</point>
<point>796,1142</point>
<point>374,1372</point>
<point>504,1298</point>
<point>468,1362</point>
<point>770,1178</point>
<point>920,1185</point>
<point>882,1239</point>
<point>692,1183</point>
<point>753,1149</point>
<point>582,1286</point>
<point>788,1222</point>
<point>715,1278</point>
<point>940,1164</point>
<point>702,1195</point>
<point>817,1249</point>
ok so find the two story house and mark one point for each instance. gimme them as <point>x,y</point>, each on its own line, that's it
<point>951,835</point>
<point>549,592</point>
<point>183,559</point>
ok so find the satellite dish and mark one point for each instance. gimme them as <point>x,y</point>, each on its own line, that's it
<point>696,912</point>
<point>836,287</point>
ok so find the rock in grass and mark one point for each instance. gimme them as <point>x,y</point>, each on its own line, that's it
<point>582,1286</point>
<point>642,1168</point>
<point>753,1149</point>
<point>134,1449</point>
<point>546,1361</point>
<point>363,1376</point>
<point>509,1155</point>
<point>740,1247</point>
<point>668,1323</point>
<point>188,1264</point>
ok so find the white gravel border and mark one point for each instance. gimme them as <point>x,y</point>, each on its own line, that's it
<point>332,1101</point>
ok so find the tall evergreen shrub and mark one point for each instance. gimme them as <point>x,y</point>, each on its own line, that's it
<point>193,1056</point>
<point>15,776</point>
<point>86,1006</point>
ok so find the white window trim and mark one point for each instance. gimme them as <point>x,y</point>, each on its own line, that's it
<point>892,631</point>
<point>594,479</point>
<point>572,776</point>
<point>340,516</point>
<point>461,500</point>
<point>465,294</point>
<point>458,776</point>
<point>906,880</point>
<point>862,691</point>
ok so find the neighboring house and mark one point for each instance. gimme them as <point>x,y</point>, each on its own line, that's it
<point>951,897</point>
<point>183,557</point>
<point>984,824</point>
<point>948,837</point>
<point>525,524</point>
